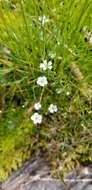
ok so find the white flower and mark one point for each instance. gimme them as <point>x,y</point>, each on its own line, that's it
<point>36,118</point>
<point>42,81</point>
<point>50,65</point>
<point>46,65</point>
<point>52,54</point>
<point>67,93</point>
<point>53,108</point>
<point>43,19</point>
<point>37,106</point>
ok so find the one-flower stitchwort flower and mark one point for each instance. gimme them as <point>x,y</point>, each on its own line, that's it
<point>42,81</point>
<point>46,65</point>
<point>36,118</point>
<point>43,19</point>
<point>52,108</point>
<point>37,106</point>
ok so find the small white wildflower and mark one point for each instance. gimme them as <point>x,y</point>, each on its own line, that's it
<point>67,93</point>
<point>46,65</point>
<point>52,54</point>
<point>49,65</point>
<point>52,108</point>
<point>37,106</point>
<point>42,81</point>
<point>36,118</point>
<point>43,19</point>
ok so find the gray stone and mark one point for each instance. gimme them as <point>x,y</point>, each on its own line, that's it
<point>34,175</point>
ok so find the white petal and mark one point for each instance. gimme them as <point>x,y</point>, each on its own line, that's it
<point>50,65</point>
<point>43,66</point>
<point>36,118</point>
<point>52,108</point>
<point>43,19</point>
<point>42,81</point>
<point>37,106</point>
<point>55,108</point>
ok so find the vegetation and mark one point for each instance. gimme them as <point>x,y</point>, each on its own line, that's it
<point>59,32</point>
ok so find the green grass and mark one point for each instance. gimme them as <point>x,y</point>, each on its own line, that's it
<point>67,133</point>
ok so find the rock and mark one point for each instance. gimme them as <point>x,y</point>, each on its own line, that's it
<point>34,175</point>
